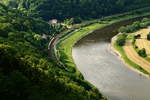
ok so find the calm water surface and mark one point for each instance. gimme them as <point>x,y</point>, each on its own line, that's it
<point>103,68</point>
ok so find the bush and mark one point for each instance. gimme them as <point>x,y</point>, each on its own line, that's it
<point>122,29</point>
<point>143,25</point>
<point>148,36</point>
<point>135,26</point>
<point>137,36</point>
<point>142,52</point>
<point>136,47</point>
<point>77,20</point>
<point>145,20</point>
<point>134,40</point>
<point>121,39</point>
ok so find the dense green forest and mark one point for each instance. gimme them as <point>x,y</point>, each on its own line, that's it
<point>77,9</point>
<point>26,71</point>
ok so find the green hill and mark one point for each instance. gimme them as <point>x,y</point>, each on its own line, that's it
<point>26,72</point>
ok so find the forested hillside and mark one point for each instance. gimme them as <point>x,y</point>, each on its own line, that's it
<point>77,9</point>
<point>26,71</point>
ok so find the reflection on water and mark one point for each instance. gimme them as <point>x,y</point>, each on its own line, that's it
<point>101,67</point>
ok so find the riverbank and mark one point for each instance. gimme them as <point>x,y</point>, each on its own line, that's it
<point>62,48</point>
<point>94,58</point>
<point>122,55</point>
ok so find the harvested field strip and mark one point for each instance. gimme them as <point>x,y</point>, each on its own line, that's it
<point>133,56</point>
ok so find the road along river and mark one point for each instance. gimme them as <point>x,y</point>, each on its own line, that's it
<point>103,68</point>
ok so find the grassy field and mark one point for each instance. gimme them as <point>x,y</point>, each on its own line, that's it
<point>64,45</point>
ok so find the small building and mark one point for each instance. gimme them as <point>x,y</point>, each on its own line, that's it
<point>44,36</point>
<point>53,21</point>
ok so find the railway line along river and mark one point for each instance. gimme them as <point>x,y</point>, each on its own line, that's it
<point>103,68</point>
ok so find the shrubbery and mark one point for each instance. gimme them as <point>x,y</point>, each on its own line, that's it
<point>148,36</point>
<point>142,52</point>
<point>135,26</point>
<point>121,39</point>
<point>137,36</point>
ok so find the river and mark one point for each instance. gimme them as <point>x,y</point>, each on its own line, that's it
<point>101,67</point>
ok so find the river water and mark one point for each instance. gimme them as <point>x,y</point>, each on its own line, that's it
<point>101,67</point>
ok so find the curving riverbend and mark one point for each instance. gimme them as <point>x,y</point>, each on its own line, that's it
<point>100,66</point>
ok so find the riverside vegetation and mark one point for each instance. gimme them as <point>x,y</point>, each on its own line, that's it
<point>26,71</point>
